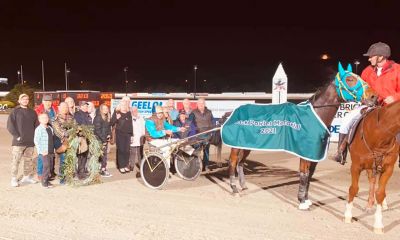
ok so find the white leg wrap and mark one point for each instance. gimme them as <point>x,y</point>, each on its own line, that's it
<point>348,214</point>
<point>378,225</point>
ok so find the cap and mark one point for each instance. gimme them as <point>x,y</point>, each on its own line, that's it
<point>378,49</point>
<point>182,111</point>
<point>158,109</point>
<point>47,98</point>
<point>83,103</point>
<point>22,95</point>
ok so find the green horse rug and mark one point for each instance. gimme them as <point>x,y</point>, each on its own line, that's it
<point>288,127</point>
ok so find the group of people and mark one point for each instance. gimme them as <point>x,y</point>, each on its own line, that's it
<point>132,131</point>
<point>45,128</point>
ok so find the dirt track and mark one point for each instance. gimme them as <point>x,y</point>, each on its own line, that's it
<point>123,208</point>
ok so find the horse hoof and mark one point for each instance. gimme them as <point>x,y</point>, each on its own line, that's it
<point>234,189</point>
<point>347,219</point>
<point>308,201</point>
<point>244,187</point>
<point>378,230</point>
<point>304,206</point>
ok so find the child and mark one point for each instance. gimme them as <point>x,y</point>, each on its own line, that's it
<point>45,147</point>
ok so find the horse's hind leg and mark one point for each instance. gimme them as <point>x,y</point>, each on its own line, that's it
<point>311,172</point>
<point>371,194</point>
<point>353,190</point>
<point>240,169</point>
<point>380,197</point>
<point>232,167</point>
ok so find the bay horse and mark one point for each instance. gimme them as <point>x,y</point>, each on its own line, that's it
<point>374,148</point>
<point>326,102</point>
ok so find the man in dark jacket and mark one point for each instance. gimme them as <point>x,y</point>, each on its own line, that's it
<point>182,121</point>
<point>203,120</point>
<point>21,124</point>
<point>82,117</point>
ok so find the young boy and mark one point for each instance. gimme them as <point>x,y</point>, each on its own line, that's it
<point>45,147</point>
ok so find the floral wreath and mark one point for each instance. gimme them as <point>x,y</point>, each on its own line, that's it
<point>71,159</point>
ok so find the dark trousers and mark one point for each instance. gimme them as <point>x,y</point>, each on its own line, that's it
<point>47,164</point>
<point>103,159</point>
<point>82,159</point>
<point>123,141</point>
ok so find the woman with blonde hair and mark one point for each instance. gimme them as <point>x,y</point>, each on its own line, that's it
<point>102,129</point>
<point>122,119</point>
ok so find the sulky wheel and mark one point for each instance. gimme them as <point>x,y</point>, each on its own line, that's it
<point>187,166</point>
<point>154,170</point>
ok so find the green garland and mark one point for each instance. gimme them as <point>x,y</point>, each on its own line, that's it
<point>95,151</point>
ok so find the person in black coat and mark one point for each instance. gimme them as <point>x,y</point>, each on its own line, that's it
<point>102,129</point>
<point>122,119</point>
<point>82,117</point>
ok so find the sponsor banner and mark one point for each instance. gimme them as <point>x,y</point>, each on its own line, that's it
<point>145,107</point>
<point>344,108</point>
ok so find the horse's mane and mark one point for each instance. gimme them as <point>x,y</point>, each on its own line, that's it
<point>321,90</point>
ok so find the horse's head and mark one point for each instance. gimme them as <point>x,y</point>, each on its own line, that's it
<point>370,97</point>
<point>349,86</point>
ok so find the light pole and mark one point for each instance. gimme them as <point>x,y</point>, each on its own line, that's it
<point>356,62</point>
<point>126,80</point>
<point>19,76</point>
<point>43,75</point>
<point>195,75</point>
<point>66,71</point>
<point>187,86</point>
<point>205,81</point>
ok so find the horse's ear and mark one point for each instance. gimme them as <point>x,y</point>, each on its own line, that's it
<point>341,69</point>
<point>349,68</point>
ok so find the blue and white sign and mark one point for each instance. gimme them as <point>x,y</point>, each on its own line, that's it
<point>145,107</point>
<point>344,108</point>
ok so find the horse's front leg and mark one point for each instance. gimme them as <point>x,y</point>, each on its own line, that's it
<point>304,180</point>
<point>240,169</point>
<point>233,160</point>
<point>380,197</point>
<point>353,190</point>
<point>371,193</point>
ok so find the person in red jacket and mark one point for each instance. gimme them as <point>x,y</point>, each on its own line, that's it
<point>383,75</point>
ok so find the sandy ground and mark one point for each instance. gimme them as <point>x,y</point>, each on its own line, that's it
<point>123,208</point>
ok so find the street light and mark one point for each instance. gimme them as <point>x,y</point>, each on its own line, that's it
<point>356,62</point>
<point>187,86</point>
<point>126,80</point>
<point>195,75</point>
<point>205,81</point>
<point>66,71</point>
<point>325,56</point>
<point>19,76</point>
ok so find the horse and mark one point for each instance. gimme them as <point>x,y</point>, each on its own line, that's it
<point>325,102</point>
<point>374,149</point>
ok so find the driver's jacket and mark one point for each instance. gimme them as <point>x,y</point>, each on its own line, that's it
<point>155,128</point>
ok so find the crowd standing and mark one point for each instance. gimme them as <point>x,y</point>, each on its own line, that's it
<point>45,129</point>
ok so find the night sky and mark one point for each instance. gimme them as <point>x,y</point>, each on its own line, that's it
<point>237,45</point>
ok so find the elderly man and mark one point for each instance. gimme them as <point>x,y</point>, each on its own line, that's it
<point>82,116</point>
<point>64,116</point>
<point>47,107</point>
<point>187,108</point>
<point>173,113</point>
<point>203,120</point>
<point>21,124</point>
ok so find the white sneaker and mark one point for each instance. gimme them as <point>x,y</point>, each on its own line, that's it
<point>14,182</point>
<point>28,179</point>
